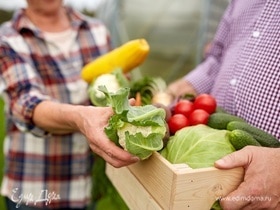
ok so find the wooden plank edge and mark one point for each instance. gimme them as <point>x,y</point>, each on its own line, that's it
<point>134,194</point>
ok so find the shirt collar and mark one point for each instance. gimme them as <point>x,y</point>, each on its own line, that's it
<point>21,23</point>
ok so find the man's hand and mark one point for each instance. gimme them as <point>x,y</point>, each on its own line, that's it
<point>180,87</point>
<point>261,186</point>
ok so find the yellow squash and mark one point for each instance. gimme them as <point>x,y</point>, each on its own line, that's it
<point>127,57</point>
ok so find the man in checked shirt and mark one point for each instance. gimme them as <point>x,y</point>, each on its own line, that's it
<point>52,129</point>
<point>242,71</point>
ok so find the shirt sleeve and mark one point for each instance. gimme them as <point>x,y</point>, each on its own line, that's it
<point>203,76</point>
<point>23,88</point>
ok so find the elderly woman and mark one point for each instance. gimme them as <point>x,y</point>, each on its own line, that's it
<point>52,129</point>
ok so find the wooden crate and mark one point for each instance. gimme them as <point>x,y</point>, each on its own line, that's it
<point>155,184</point>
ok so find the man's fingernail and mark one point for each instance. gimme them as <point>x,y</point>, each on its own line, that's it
<point>135,159</point>
<point>220,162</point>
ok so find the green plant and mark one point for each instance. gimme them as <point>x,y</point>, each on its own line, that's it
<point>2,134</point>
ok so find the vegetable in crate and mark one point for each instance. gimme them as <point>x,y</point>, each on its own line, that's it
<point>240,138</point>
<point>113,81</point>
<point>138,129</point>
<point>206,102</point>
<point>265,139</point>
<point>152,91</point>
<point>198,146</point>
<point>177,122</point>
<point>127,57</point>
<point>220,120</point>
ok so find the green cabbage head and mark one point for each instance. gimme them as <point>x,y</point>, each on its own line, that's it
<point>198,146</point>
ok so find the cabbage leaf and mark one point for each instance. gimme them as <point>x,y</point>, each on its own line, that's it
<point>198,146</point>
<point>138,129</point>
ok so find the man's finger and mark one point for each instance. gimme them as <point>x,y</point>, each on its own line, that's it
<point>240,158</point>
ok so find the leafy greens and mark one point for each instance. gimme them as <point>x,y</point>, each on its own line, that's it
<point>138,129</point>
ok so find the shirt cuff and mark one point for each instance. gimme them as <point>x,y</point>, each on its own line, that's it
<point>26,123</point>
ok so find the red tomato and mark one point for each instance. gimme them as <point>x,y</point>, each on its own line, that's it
<point>205,102</point>
<point>199,116</point>
<point>184,107</point>
<point>176,122</point>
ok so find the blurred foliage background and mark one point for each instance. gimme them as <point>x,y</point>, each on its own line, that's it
<point>2,134</point>
<point>178,32</point>
<point>4,15</point>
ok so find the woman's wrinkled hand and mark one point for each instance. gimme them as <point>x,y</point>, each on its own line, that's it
<point>92,122</point>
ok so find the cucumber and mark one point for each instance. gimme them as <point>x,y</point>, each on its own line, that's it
<point>239,139</point>
<point>219,120</point>
<point>265,139</point>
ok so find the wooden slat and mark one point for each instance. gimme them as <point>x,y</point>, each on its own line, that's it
<point>157,184</point>
<point>200,188</point>
<point>132,191</point>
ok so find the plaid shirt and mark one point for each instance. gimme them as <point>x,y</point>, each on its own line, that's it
<point>242,69</point>
<point>52,171</point>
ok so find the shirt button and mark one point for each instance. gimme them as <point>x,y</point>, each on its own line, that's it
<point>233,82</point>
<point>256,34</point>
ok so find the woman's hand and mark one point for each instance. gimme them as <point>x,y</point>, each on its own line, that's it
<point>58,118</point>
<point>92,124</point>
<point>260,188</point>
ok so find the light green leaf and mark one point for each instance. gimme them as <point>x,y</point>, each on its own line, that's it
<point>198,146</point>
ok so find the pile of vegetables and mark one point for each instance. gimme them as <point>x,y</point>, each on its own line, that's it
<point>146,90</point>
<point>214,134</point>
<point>191,111</point>
<point>242,133</point>
<point>199,133</point>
